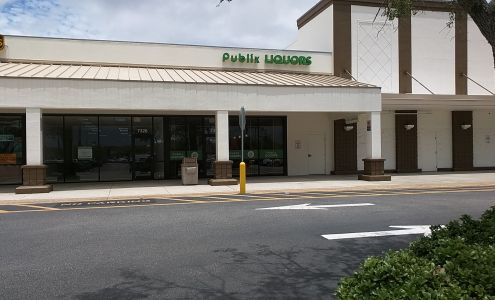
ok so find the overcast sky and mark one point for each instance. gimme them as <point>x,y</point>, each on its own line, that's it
<point>241,23</point>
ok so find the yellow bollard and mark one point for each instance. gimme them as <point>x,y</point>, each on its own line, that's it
<point>242,179</point>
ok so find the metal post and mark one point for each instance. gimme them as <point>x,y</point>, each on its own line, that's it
<point>242,165</point>
<point>242,178</point>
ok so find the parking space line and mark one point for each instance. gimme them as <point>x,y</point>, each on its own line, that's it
<point>37,207</point>
<point>266,197</point>
<point>339,196</point>
<point>322,193</point>
<point>178,199</point>
<point>225,198</point>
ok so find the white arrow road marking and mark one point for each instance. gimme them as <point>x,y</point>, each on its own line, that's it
<point>307,206</point>
<point>403,230</point>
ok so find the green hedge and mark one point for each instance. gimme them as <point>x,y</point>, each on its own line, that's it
<point>456,262</point>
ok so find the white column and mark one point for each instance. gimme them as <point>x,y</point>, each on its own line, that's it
<point>375,145</point>
<point>222,135</point>
<point>34,146</point>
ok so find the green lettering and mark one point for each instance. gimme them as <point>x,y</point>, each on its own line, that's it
<point>268,60</point>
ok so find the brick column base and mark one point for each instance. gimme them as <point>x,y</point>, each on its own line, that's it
<point>34,180</point>
<point>374,170</point>
<point>223,174</point>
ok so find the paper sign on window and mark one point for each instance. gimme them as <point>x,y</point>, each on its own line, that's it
<point>85,153</point>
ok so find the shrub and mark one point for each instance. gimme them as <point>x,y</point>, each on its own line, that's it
<point>456,262</point>
<point>471,231</point>
<point>399,275</point>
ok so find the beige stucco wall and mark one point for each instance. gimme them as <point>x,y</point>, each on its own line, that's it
<point>124,53</point>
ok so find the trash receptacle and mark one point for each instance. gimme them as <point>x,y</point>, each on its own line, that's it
<point>189,170</point>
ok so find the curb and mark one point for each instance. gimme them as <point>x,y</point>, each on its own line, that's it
<point>257,192</point>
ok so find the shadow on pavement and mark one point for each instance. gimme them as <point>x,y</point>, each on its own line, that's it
<point>258,272</point>
<point>137,285</point>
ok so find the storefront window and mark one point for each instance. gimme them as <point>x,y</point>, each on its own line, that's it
<point>53,147</point>
<point>271,145</point>
<point>11,148</point>
<point>115,148</point>
<point>264,145</point>
<point>158,148</point>
<point>210,144</point>
<point>143,147</point>
<point>191,136</point>
<point>178,138</point>
<point>250,145</point>
<point>81,142</point>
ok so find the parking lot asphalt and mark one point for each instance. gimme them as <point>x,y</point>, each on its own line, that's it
<point>263,246</point>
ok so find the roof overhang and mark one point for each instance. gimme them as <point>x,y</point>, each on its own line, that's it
<point>444,102</point>
<point>33,70</point>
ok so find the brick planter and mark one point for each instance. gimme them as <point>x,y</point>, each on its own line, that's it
<point>374,170</point>
<point>33,180</point>
<point>223,174</point>
<point>223,169</point>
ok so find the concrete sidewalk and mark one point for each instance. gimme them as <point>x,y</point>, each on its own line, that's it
<point>140,189</point>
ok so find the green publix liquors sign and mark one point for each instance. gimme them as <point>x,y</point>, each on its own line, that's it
<point>277,59</point>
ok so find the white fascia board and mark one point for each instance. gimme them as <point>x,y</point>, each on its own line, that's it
<point>112,95</point>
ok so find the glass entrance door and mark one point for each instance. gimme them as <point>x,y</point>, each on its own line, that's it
<point>143,147</point>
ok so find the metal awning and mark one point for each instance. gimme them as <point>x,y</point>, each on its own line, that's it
<point>170,75</point>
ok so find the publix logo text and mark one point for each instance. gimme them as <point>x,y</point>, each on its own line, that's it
<point>269,59</point>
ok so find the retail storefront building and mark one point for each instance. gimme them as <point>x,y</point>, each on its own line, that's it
<point>85,111</point>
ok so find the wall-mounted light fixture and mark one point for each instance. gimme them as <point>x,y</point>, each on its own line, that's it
<point>466,126</point>
<point>348,127</point>
<point>408,126</point>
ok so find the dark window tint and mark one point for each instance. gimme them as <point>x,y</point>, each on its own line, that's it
<point>81,142</point>
<point>11,140</point>
<point>264,145</point>
<point>191,136</point>
<point>115,148</point>
<point>53,147</point>
<point>12,143</point>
